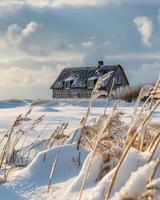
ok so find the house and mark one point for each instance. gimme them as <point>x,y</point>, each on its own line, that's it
<point>79,82</point>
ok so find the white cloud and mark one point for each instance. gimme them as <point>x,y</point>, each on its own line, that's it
<point>11,7</point>
<point>29,29</point>
<point>88,44</point>
<point>74,3</point>
<point>18,82</point>
<point>39,3</point>
<point>19,38</point>
<point>15,34</point>
<point>32,80</point>
<point>79,2</point>
<point>75,58</point>
<point>17,76</point>
<point>145,28</point>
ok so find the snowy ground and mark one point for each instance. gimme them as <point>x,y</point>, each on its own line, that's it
<point>55,113</point>
<point>31,182</point>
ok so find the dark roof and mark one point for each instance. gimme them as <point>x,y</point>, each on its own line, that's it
<point>80,75</point>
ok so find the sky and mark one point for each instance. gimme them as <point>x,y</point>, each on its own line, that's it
<point>38,38</point>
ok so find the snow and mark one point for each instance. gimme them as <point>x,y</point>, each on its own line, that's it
<point>91,181</point>
<point>78,83</point>
<point>154,184</point>
<point>93,78</point>
<point>129,165</point>
<point>136,184</point>
<point>75,137</point>
<point>36,175</point>
<point>141,131</point>
<point>7,194</point>
<point>69,79</point>
<point>32,181</point>
<point>67,166</point>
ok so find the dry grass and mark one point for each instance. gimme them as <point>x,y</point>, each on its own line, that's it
<point>11,152</point>
<point>127,93</point>
<point>104,136</point>
<point>52,172</point>
<point>108,127</point>
<point>13,142</point>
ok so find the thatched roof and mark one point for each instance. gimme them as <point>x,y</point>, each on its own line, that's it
<point>80,75</point>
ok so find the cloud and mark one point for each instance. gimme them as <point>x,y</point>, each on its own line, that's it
<point>18,82</point>
<point>29,29</point>
<point>11,7</point>
<point>21,77</point>
<point>20,38</point>
<point>145,28</point>
<point>79,2</point>
<point>76,3</point>
<point>147,73</point>
<point>31,77</point>
<point>153,66</point>
<point>88,44</point>
<point>71,58</point>
<point>15,34</point>
<point>135,56</point>
<point>39,3</point>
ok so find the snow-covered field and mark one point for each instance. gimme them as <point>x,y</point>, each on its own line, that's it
<point>55,112</point>
<point>31,182</point>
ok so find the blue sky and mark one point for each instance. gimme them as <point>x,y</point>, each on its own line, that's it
<point>38,38</point>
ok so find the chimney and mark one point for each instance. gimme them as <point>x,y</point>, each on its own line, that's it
<point>100,63</point>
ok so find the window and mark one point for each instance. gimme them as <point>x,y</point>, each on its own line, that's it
<point>118,80</point>
<point>67,84</point>
<point>59,95</point>
<point>90,83</point>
